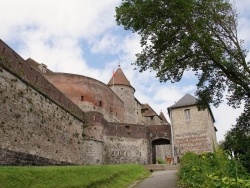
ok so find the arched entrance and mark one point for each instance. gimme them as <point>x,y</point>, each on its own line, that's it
<point>160,148</point>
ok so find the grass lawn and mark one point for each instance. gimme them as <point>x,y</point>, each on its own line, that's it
<point>72,176</point>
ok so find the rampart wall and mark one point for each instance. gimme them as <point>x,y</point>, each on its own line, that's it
<point>38,122</point>
<point>31,123</point>
<point>40,125</point>
<point>89,94</point>
<point>15,64</point>
<point>126,143</point>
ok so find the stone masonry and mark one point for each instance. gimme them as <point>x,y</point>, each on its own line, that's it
<point>49,118</point>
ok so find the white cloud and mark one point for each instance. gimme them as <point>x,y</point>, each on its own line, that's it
<point>108,44</point>
<point>79,18</point>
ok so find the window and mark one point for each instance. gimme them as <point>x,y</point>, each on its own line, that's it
<point>82,98</point>
<point>100,103</point>
<point>187,114</point>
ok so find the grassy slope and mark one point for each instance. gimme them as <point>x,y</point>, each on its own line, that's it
<point>72,176</point>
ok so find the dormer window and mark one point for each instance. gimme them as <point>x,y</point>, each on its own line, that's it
<point>187,114</point>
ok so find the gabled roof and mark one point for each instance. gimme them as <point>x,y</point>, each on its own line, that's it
<point>119,78</point>
<point>149,111</point>
<point>186,100</point>
<point>163,118</point>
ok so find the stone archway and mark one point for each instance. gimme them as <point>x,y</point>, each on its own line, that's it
<point>158,145</point>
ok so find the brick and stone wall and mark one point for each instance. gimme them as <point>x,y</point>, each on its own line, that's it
<point>58,119</point>
<point>153,120</point>
<point>126,143</point>
<point>33,124</point>
<point>191,134</point>
<point>13,63</point>
<point>89,94</point>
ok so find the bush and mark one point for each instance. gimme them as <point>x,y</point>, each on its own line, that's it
<point>161,161</point>
<point>212,170</point>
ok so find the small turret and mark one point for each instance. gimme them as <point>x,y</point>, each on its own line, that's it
<point>123,89</point>
<point>119,79</point>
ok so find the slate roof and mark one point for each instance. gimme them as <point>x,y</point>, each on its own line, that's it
<point>186,100</point>
<point>119,78</point>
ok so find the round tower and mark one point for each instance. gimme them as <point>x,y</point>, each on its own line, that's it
<point>123,89</point>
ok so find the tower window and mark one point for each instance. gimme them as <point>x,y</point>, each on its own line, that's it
<point>82,98</point>
<point>187,114</point>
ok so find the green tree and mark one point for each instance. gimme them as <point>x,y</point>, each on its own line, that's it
<point>197,35</point>
<point>237,140</point>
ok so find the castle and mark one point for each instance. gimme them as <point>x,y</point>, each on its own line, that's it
<point>49,118</point>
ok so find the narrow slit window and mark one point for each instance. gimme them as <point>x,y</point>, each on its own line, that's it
<point>100,103</point>
<point>82,98</point>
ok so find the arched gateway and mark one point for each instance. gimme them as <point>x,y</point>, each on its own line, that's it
<point>161,149</point>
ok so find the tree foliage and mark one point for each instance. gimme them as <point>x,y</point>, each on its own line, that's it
<point>237,140</point>
<point>197,35</point>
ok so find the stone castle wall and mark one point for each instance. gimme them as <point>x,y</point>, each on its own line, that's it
<point>153,120</point>
<point>89,94</point>
<point>15,64</point>
<point>191,134</point>
<point>31,123</point>
<point>41,125</point>
<point>126,143</point>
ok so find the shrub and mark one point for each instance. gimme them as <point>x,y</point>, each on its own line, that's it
<point>212,170</point>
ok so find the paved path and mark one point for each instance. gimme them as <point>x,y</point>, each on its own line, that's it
<point>160,179</point>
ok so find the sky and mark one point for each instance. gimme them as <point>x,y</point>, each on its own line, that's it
<point>82,37</point>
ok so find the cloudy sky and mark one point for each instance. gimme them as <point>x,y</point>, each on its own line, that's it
<point>81,37</point>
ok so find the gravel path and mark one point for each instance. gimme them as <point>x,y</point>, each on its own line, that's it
<point>160,179</point>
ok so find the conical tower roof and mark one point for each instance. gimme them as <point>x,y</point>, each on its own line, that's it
<point>119,78</point>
